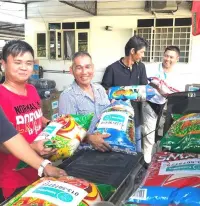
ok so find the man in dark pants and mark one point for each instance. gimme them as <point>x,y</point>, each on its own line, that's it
<point>129,70</point>
<point>18,146</point>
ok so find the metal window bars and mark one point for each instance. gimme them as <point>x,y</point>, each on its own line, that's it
<point>161,37</point>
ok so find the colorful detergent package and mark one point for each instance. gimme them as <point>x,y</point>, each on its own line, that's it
<point>172,180</point>
<point>64,133</point>
<point>162,87</point>
<point>118,121</point>
<point>183,135</point>
<point>134,92</point>
<point>68,190</point>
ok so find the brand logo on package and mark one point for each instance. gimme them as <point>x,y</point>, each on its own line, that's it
<point>54,116</point>
<point>58,193</point>
<point>54,105</point>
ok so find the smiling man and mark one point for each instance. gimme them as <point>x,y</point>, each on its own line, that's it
<point>84,97</point>
<point>165,71</point>
<point>21,105</point>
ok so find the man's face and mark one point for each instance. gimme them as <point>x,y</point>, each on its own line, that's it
<point>83,70</point>
<point>169,59</point>
<point>19,68</point>
<point>137,56</point>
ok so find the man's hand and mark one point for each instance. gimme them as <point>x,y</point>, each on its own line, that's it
<point>51,171</point>
<point>97,141</point>
<point>38,146</point>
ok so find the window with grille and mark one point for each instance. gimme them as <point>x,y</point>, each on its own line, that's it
<point>159,35</point>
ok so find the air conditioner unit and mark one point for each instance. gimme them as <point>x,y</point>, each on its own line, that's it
<point>162,6</point>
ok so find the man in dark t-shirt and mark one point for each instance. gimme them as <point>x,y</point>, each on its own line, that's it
<point>129,70</point>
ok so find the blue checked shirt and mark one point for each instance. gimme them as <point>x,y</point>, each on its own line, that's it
<point>74,100</point>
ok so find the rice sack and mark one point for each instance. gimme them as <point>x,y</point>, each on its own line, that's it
<point>162,87</point>
<point>135,92</point>
<point>118,121</point>
<point>172,179</point>
<point>66,190</point>
<point>65,133</point>
<point>183,135</point>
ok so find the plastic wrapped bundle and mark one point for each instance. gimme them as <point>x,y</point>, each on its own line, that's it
<point>118,121</point>
<point>183,135</point>
<point>43,83</point>
<point>162,87</point>
<point>134,92</point>
<point>171,180</point>
<point>67,190</point>
<point>65,133</point>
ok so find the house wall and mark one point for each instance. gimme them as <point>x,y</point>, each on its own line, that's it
<point>107,46</point>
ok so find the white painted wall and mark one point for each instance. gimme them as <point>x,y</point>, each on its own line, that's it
<point>106,46</point>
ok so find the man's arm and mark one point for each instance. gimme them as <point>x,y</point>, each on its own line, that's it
<point>20,148</point>
<point>143,77</point>
<point>107,80</point>
<point>97,140</point>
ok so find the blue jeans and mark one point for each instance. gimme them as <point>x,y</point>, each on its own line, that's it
<point>138,138</point>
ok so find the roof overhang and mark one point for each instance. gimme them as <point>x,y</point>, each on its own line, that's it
<point>86,6</point>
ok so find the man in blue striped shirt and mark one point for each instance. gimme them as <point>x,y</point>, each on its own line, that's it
<point>84,97</point>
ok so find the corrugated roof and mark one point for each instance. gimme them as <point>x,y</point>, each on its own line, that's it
<point>10,31</point>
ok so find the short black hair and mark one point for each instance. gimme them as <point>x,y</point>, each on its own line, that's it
<point>80,53</point>
<point>16,47</point>
<point>135,42</point>
<point>173,48</point>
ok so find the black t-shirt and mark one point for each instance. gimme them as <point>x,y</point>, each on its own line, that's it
<point>7,130</point>
<point>118,74</point>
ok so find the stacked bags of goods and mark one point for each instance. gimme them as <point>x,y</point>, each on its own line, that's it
<point>172,179</point>
<point>184,134</point>
<point>65,133</point>
<point>118,120</point>
<point>135,92</point>
<point>62,191</point>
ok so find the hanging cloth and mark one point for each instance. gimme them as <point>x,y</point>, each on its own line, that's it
<point>196,17</point>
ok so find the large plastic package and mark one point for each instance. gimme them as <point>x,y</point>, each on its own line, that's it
<point>134,92</point>
<point>184,134</point>
<point>65,133</point>
<point>68,190</point>
<point>162,87</point>
<point>118,121</point>
<point>172,180</point>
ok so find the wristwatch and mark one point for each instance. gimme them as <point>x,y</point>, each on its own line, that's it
<point>42,166</point>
